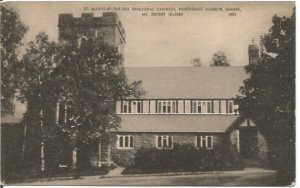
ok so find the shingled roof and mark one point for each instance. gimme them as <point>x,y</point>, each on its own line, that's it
<point>175,82</point>
<point>179,123</point>
<point>188,82</point>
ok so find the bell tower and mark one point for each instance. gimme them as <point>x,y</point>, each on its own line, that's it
<point>108,27</point>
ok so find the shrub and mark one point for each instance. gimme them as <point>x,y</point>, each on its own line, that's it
<point>184,158</point>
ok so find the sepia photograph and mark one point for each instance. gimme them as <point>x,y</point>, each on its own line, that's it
<point>148,93</point>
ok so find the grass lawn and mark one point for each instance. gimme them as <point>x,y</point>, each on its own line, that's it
<point>93,171</point>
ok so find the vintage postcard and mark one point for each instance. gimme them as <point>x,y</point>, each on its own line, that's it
<point>148,93</point>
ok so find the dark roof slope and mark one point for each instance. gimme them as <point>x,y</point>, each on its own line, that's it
<point>188,82</point>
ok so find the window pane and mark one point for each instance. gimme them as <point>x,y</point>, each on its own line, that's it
<point>159,141</point>
<point>194,107</point>
<point>170,142</point>
<point>173,107</point>
<point>125,108</point>
<point>208,107</point>
<point>169,109</point>
<point>223,106</point>
<point>129,109</point>
<point>139,107</point>
<point>121,141</point>
<point>209,142</point>
<point>165,142</point>
<point>230,107</point>
<point>199,109</point>
<point>164,109</point>
<point>133,107</point>
<point>197,141</point>
<point>158,107</point>
<point>131,141</point>
<point>202,141</point>
<point>204,107</point>
<point>126,141</point>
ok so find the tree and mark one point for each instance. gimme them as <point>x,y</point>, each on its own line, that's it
<point>268,96</point>
<point>12,32</point>
<point>86,78</point>
<point>36,88</point>
<point>196,62</point>
<point>90,80</point>
<point>219,59</point>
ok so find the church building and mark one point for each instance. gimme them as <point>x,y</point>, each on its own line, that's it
<point>181,105</point>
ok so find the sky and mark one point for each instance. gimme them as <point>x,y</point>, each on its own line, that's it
<point>168,41</point>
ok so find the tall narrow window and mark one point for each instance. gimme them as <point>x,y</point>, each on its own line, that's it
<point>121,141</point>
<point>209,142</point>
<point>173,106</point>
<point>201,107</point>
<point>131,141</point>
<point>159,145</point>
<point>204,142</point>
<point>204,106</point>
<point>135,107</point>
<point>209,107</point>
<point>129,107</point>
<point>125,106</point>
<point>230,107</point>
<point>159,106</point>
<point>125,142</point>
<point>164,142</point>
<point>132,107</point>
<point>194,107</point>
<point>166,107</point>
<point>139,107</point>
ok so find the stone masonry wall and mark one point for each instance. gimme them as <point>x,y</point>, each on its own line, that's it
<point>262,148</point>
<point>108,27</point>
<point>234,140</point>
<point>125,157</point>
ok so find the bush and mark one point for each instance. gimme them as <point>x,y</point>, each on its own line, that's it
<point>183,158</point>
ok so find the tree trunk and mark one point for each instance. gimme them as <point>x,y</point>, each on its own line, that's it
<point>42,144</point>
<point>99,153</point>
<point>42,156</point>
<point>74,158</point>
<point>24,142</point>
<point>78,162</point>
